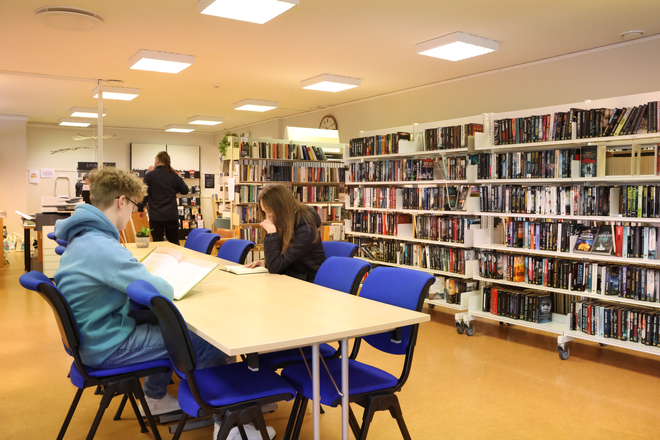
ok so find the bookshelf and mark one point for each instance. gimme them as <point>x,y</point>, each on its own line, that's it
<point>398,180</point>
<point>558,166</point>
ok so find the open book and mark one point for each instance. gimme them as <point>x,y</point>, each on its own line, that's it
<point>182,273</point>
<point>242,270</point>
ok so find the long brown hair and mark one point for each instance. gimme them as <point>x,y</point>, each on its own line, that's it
<point>288,212</point>
<point>164,158</point>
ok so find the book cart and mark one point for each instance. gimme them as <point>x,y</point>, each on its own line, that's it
<point>365,197</point>
<point>624,161</point>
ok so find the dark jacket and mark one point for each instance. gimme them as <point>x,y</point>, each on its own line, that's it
<point>302,258</point>
<point>163,188</point>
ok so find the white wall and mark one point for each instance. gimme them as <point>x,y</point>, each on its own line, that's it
<point>13,178</point>
<point>44,138</point>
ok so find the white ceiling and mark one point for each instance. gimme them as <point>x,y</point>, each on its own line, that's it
<point>45,71</point>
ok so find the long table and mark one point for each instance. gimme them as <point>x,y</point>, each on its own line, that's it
<point>250,314</point>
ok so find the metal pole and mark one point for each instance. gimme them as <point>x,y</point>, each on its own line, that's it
<point>99,126</point>
<point>316,392</point>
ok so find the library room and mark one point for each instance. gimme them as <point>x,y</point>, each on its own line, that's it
<point>445,225</point>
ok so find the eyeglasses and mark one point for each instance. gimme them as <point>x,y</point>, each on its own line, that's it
<point>135,205</point>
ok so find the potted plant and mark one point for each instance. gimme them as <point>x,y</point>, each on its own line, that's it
<point>142,237</point>
<point>224,143</point>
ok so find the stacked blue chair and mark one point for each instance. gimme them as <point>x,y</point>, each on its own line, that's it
<point>235,250</point>
<point>203,243</point>
<point>339,249</point>
<point>193,234</point>
<point>232,391</point>
<point>339,273</point>
<point>369,387</point>
<point>116,381</point>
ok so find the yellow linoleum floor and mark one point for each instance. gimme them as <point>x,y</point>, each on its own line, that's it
<point>502,383</point>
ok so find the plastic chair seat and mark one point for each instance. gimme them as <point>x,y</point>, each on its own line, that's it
<point>276,358</point>
<point>142,369</point>
<point>363,378</point>
<point>231,384</point>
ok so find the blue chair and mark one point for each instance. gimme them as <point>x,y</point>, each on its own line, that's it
<point>339,273</point>
<point>235,250</point>
<point>232,391</point>
<point>339,249</point>
<point>194,233</point>
<point>369,387</point>
<point>203,243</point>
<point>110,382</point>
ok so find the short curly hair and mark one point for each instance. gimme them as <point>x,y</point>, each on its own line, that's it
<point>109,183</point>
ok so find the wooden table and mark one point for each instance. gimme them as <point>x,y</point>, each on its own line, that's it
<point>248,314</point>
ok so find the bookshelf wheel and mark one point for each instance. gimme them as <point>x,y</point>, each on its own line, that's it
<point>469,329</point>
<point>431,306</point>
<point>459,327</point>
<point>564,353</point>
<point>602,345</point>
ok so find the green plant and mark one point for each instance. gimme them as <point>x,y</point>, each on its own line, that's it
<point>144,232</point>
<point>224,143</point>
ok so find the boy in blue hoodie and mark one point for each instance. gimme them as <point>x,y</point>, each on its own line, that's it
<point>93,275</point>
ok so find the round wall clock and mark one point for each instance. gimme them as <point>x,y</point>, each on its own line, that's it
<point>328,123</point>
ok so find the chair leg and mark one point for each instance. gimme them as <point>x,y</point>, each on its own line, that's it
<point>367,417</point>
<point>353,423</point>
<point>253,414</point>
<point>121,408</point>
<point>137,391</point>
<point>292,417</point>
<point>180,426</point>
<point>69,415</point>
<point>143,427</point>
<point>108,394</point>
<point>229,420</point>
<point>300,418</point>
<point>395,411</point>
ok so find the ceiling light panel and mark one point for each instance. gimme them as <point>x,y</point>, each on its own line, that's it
<point>85,112</point>
<point>160,61</point>
<point>456,46</point>
<point>118,93</point>
<point>205,120</point>
<point>253,11</point>
<point>330,83</point>
<point>179,128</point>
<point>74,122</point>
<point>256,105</point>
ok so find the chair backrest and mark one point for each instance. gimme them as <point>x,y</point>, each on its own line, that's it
<point>235,250</point>
<point>51,235</point>
<point>398,287</point>
<point>59,250</point>
<point>202,243</point>
<point>339,249</point>
<point>342,273</point>
<point>194,233</point>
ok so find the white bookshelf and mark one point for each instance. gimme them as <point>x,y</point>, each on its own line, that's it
<point>467,275</point>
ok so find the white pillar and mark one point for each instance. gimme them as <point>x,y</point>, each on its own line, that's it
<point>99,126</point>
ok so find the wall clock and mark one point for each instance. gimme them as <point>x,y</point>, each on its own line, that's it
<point>328,123</point>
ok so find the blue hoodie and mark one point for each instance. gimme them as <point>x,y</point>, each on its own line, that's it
<point>94,272</point>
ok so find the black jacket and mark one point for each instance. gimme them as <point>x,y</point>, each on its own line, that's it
<point>163,188</point>
<point>302,258</point>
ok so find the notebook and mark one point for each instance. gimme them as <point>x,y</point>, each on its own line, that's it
<point>242,270</point>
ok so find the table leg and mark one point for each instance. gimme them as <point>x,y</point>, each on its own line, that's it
<point>26,249</point>
<point>344,389</point>
<point>316,393</point>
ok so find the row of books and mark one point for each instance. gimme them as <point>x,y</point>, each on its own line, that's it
<point>450,289</point>
<point>188,212</point>
<point>538,234</point>
<point>277,171</point>
<point>538,128</point>
<point>625,323</point>
<point>525,305</point>
<point>445,138</point>
<point>334,232</point>
<point>433,198</point>
<point>328,213</point>
<point>640,201</point>
<point>186,201</point>
<point>191,224</point>
<point>380,223</point>
<point>547,200</point>
<point>392,170</point>
<point>250,214</point>
<point>248,193</point>
<point>447,229</point>
<point>255,235</point>
<point>316,194</point>
<point>546,164</point>
<point>277,150</point>
<point>375,145</point>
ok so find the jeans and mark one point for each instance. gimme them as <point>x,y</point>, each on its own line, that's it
<point>169,229</point>
<point>145,344</point>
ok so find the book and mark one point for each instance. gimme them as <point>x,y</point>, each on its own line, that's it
<point>585,241</point>
<point>604,241</point>
<point>462,197</point>
<point>242,270</point>
<point>182,273</point>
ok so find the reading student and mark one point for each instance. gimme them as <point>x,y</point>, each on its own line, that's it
<point>93,275</point>
<point>292,245</point>
<point>164,184</point>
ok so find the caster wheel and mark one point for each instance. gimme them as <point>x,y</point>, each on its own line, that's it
<point>509,324</point>
<point>602,345</point>
<point>431,306</point>
<point>469,329</point>
<point>459,328</point>
<point>501,323</point>
<point>564,353</point>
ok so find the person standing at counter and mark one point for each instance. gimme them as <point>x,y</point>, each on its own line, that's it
<point>164,184</point>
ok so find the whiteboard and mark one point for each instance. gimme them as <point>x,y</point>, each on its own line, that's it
<point>184,157</point>
<point>143,156</point>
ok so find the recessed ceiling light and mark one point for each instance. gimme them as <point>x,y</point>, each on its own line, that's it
<point>330,83</point>
<point>160,61</point>
<point>74,122</point>
<point>205,120</point>
<point>456,46</point>
<point>255,105</point>
<point>119,93</point>
<point>85,112</point>
<point>179,128</point>
<point>69,19</point>
<point>254,11</point>
<point>632,34</point>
